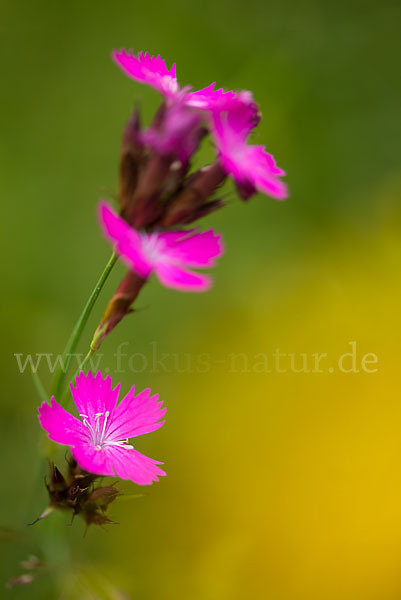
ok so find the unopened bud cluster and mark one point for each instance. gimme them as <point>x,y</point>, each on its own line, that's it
<point>78,493</point>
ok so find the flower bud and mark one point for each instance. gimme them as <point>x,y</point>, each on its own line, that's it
<point>77,492</point>
<point>103,496</point>
<point>118,307</point>
<point>199,187</point>
<point>132,159</point>
<point>204,210</point>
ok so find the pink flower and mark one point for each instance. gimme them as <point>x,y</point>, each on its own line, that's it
<point>167,254</point>
<point>99,439</point>
<point>251,166</point>
<point>153,71</point>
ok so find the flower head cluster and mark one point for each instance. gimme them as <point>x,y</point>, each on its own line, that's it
<point>157,191</point>
<point>230,116</point>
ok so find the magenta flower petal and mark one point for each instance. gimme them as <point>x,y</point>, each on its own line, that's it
<point>125,463</point>
<point>199,250</point>
<point>148,69</point>
<point>251,166</point>
<point>218,100</point>
<point>93,460</point>
<point>181,279</point>
<point>210,99</point>
<point>99,442</point>
<point>137,415</point>
<point>61,427</point>
<point>94,395</point>
<point>135,466</point>
<point>261,170</point>
<point>167,254</point>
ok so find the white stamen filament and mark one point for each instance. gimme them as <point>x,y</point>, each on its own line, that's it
<point>99,438</point>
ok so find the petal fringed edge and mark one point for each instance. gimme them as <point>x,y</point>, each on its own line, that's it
<point>94,394</point>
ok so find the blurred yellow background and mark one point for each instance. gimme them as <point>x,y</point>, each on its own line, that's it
<point>280,485</point>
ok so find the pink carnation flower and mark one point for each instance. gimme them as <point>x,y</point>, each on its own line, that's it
<point>167,254</point>
<point>99,439</point>
<point>251,166</point>
<point>152,71</point>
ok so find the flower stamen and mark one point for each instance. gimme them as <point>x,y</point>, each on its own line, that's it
<point>99,438</point>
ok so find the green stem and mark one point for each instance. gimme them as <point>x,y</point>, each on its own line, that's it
<point>59,378</point>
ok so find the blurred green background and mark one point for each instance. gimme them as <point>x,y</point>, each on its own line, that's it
<point>280,485</point>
